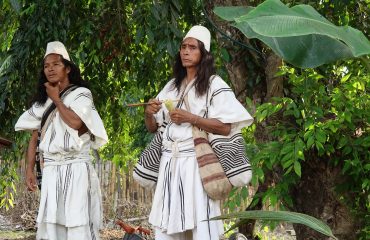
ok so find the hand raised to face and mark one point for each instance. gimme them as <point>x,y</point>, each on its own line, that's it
<point>52,89</point>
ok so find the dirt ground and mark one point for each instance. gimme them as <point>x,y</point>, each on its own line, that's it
<point>11,231</point>
<point>19,222</point>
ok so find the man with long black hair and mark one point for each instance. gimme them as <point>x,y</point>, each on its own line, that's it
<point>180,204</point>
<point>64,125</point>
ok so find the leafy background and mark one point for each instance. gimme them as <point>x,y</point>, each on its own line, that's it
<point>125,50</point>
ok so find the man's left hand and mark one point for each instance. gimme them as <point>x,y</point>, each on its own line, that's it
<point>179,116</point>
<point>52,90</point>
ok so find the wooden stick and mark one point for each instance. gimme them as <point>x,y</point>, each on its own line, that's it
<point>136,104</point>
<point>146,103</point>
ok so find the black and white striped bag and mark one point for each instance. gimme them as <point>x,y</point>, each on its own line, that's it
<point>230,151</point>
<point>147,168</point>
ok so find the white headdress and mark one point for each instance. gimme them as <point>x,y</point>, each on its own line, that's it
<point>202,34</point>
<point>57,48</point>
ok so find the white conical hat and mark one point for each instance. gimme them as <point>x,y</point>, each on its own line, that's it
<point>57,48</point>
<point>202,34</point>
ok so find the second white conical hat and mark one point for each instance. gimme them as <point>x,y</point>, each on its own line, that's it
<point>202,34</point>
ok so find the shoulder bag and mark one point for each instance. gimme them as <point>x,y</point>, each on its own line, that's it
<point>214,180</point>
<point>147,168</point>
<point>231,153</point>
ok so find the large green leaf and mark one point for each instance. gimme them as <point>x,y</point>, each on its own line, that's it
<point>299,35</point>
<point>232,12</point>
<point>292,217</point>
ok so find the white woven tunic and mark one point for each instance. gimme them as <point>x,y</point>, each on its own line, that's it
<point>70,203</point>
<point>180,202</point>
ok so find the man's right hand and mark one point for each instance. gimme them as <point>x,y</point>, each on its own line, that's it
<point>31,181</point>
<point>153,107</point>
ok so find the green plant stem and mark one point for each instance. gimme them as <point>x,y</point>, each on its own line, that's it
<point>366,62</point>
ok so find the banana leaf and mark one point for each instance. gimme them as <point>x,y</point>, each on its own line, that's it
<point>286,216</point>
<point>299,35</point>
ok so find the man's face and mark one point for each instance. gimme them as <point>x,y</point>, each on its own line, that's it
<point>190,53</point>
<point>54,69</point>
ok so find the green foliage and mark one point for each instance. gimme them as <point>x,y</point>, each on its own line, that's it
<point>299,34</point>
<point>326,117</point>
<point>7,184</point>
<point>291,217</point>
<point>238,199</point>
<point>124,49</point>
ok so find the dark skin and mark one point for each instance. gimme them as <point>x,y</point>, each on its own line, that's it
<point>31,159</point>
<point>57,75</point>
<point>190,56</point>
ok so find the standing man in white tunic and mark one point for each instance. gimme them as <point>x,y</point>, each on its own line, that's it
<point>70,203</point>
<point>180,203</point>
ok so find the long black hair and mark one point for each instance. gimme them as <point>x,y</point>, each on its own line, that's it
<point>206,69</point>
<point>74,77</point>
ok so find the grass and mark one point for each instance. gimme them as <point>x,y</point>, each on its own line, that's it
<point>15,234</point>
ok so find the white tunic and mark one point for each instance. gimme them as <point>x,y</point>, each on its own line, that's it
<point>180,202</point>
<point>70,203</point>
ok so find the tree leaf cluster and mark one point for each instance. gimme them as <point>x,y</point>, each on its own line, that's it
<point>318,117</point>
<point>124,49</point>
<point>298,34</point>
<point>325,117</point>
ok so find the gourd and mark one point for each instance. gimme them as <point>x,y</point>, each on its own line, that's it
<point>169,104</point>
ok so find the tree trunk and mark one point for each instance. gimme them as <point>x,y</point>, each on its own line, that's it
<point>315,195</point>
<point>237,66</point>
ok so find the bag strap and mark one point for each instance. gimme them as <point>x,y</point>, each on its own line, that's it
<point>46,118</point>
<point>52,106</point>
<point>207,96</point>
<point>187,105</point>
<point>184,94</point>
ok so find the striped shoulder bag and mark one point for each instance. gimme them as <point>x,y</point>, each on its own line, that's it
<point>214,180</point>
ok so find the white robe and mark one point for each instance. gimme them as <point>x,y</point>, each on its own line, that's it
<point>70,203</point>
<point>180,202</point>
